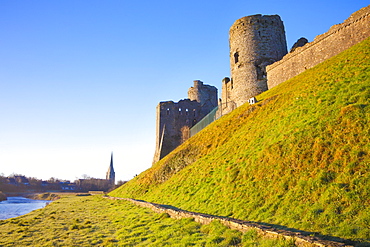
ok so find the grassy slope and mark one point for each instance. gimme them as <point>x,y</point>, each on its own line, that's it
<point>299,158</point>
<point>95,221</point>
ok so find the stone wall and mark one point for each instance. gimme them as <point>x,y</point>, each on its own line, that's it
<point>174,119</point>
<point>255,42</point>
<point>339,38</point>
<point>206,95</point>
<point>300,238</point>
<point>171,118</point>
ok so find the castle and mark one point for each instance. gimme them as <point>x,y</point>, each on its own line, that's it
<point>259,60</point>
<point>174,120</point>
<point>255,42</point>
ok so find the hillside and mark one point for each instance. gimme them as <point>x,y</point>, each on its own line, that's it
<point>299,158</point>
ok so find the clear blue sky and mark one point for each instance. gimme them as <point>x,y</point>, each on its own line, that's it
<point>80,79</point>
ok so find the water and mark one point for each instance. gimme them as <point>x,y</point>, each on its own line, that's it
<point>17,206</point>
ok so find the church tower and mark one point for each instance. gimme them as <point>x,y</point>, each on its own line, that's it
<point>110,173</point>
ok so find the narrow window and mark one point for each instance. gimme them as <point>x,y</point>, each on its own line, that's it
<point>236,57</point>
<point>180,111</point>
<point>168,111</point>
<point>187,112</point>
<point>194,112</point>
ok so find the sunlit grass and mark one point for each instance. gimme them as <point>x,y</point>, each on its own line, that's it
<point>299,158</point>
<point>97,221</point>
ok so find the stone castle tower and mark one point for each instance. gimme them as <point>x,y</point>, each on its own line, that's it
<point>257,49</point>
<point>255,42</point>
<point>175,119</point>
<point>111,175</point>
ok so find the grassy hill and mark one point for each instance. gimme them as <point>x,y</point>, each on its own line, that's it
<point>299,158</point>
<point>97,221</point>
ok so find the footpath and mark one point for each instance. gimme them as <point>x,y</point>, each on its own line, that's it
<point>300,238</point>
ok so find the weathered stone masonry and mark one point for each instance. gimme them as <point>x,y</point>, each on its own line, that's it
<point>339,38</point>
<point>174,119</point>
<point>255,42</point>
<point>258,62</point>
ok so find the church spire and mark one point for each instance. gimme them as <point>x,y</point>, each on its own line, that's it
<point>110,173</point>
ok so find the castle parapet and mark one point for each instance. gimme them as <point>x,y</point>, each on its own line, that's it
<point>339,38</point>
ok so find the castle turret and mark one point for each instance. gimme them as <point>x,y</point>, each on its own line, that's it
<point>111,175</point>
<point>206,95</point>
<point>255,42</point>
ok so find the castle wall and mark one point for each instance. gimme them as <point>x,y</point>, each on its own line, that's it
<point>171,118</point>
<point>339,38</point>
<point>255,42</point>
<point>206,95</point>
<point>174,120</point>
<point>258,62</point>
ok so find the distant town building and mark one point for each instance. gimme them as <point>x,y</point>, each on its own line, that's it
<point>18,180</point>
<point>67,186</point>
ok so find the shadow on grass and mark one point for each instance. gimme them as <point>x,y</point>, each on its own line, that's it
<point>267,226</point>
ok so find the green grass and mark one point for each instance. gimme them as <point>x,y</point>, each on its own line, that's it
<point>299,158</point>
<point>97,221</point>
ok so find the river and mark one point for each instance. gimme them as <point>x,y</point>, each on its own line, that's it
<point>17,206</point>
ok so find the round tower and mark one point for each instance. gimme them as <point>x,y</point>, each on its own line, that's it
<point>255,42</point>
